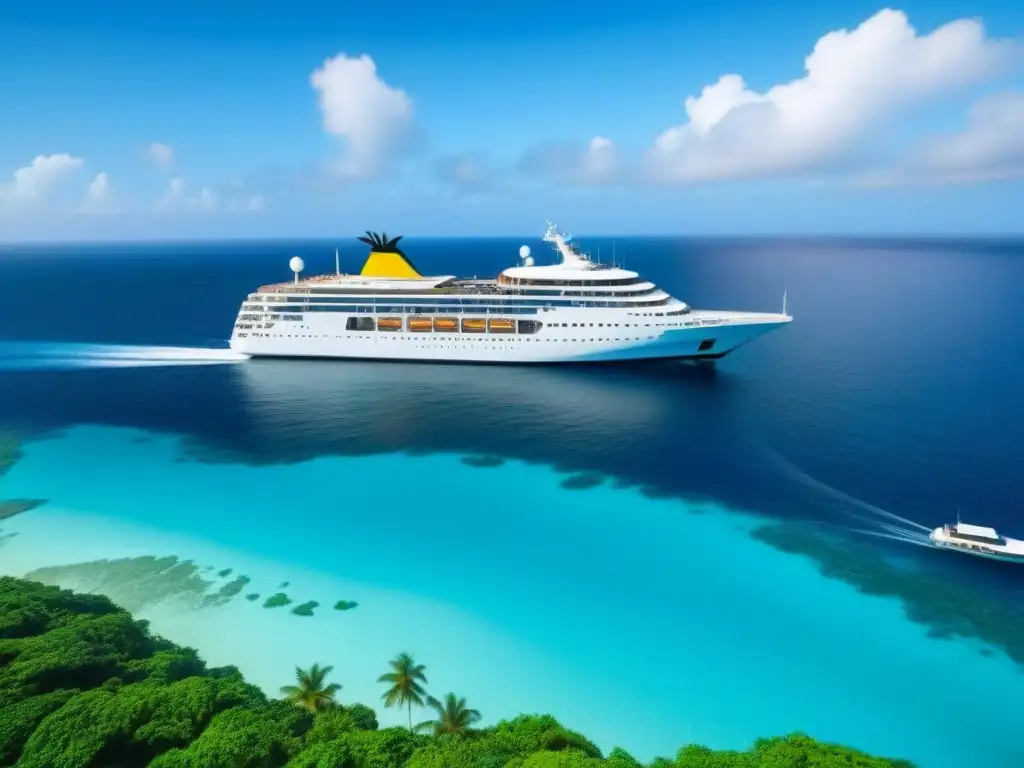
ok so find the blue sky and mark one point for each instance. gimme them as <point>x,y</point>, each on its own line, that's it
<point>488,118</point>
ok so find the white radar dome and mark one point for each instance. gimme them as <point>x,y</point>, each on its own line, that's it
<point>524,252</point>
<point>296,264</point>
<point>528,261</point>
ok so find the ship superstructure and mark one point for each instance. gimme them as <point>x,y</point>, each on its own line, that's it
<point>575,310</point>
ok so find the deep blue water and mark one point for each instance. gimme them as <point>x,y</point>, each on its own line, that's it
<point>897,385</point>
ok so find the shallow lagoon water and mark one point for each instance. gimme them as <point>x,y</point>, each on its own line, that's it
<point>644,622</point>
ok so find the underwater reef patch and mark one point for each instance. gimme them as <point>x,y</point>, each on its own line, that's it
<point>305,609</point>
<point>12,507</point>
<point>582,481</point>
<point>947,609</point>
<point>10,451</point>
<point>277,600</point>
<point>136,583</point>
<point>482,462</point>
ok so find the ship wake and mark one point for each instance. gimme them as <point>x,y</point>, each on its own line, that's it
<point>27,356</point>
<point>881,522</point>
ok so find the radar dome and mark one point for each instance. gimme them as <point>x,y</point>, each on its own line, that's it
<point>528,261</point>
<point>524,252</point>
<point>296,264</point>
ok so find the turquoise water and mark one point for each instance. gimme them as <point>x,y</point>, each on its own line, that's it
<point>642,622</point>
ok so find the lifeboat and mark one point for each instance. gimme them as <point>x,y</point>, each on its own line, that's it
<point>389,324</point>
<point>470,325</point>
<point>419,324</point>
<point>445,324</point>
<point>501,325</point>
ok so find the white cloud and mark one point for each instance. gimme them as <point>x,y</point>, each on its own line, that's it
<point>97,195</point>
<point>359,106</point>
<point>990,148</point>
<point>597,163</point>
<point>32,182</point>
<point>161,155</point>
<point>855,80</point>
<point>177,199</point>
<point>99,189</point>
<point>253,204</point>
<point>209,199</point>
<point>467,174</point>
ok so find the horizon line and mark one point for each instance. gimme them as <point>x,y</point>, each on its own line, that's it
<point>963,236</point>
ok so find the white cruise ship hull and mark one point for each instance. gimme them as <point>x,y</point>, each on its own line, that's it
<point>595,338</point>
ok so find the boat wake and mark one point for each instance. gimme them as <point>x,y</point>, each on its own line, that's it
<point>884,524</point>
<point>28,356</point>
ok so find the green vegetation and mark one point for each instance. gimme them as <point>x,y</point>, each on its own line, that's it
<point>345,605</point>
<point>277,600</point>
<point>252,596</point>
<point>306,609</point>
<point>84,685</point>
<point>225,573</point>
<point>406,679</point>
<point>312,692</point>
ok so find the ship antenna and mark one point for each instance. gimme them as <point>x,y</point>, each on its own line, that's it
<point>337,263</point>
<point>784,303</point>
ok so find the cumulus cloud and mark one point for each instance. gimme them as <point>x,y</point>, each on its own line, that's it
<point>34,181</point>
<point>177,198</point>
<point>374,118</point>
<point>596,163</point>
<point>161,155</point>
<point>854,81</point>
<point>231,197</point>
<point>253,204</point>
<point>990,148</point>
<point>97,195</point>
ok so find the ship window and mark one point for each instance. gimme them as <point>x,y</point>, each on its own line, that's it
<point>706,345</point>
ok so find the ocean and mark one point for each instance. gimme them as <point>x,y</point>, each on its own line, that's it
<point>654,553</point>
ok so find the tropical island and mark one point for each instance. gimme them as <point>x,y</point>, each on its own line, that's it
<point>85,685</point>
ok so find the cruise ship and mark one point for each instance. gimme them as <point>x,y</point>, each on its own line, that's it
<point>575,310</point>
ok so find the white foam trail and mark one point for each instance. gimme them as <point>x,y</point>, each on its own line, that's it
<point>801,476</point>
<point>15,356</point>
<point>898,531</point>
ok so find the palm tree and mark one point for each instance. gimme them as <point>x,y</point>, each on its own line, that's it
<point>405,678</point>
<point>312,691</point>
<point>453,716</point>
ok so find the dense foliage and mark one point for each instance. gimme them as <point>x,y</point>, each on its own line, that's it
<point>83,684</point>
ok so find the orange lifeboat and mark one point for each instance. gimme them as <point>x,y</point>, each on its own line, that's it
<point>445,324</point>
<point>419,324</point>
<point>389,324</point>
<point>501,325</point>
<point>474,325</point>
